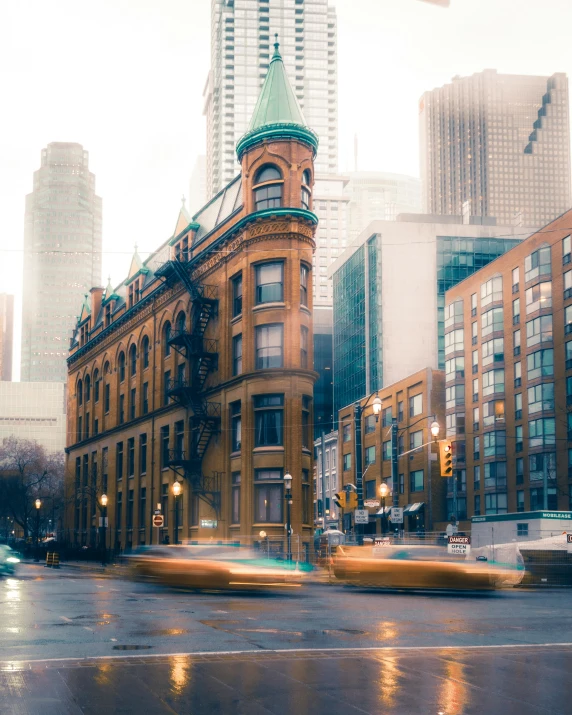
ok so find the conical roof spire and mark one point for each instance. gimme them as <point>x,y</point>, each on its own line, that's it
<point>277,113</point>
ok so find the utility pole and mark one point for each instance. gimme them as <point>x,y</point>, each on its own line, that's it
<point>359,467</point>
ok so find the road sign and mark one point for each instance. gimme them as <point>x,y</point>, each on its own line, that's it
<point>158,520</point>
<point>361,516</point>
<point>371,503</point>
<point>382,541</point>
<point>460,545</point>
<point>396,514</point>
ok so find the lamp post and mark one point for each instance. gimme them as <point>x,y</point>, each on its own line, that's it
<point>264,535</point>
<point>103,501</point>
<point>38,505</point>
<point>288,497</point>
<point>176,492</point>
<point>383,492</point>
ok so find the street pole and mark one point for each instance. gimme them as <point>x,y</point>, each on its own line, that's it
<point>394,464</point>
<point>103,529</point>
<point>288,497</point>
<point>544,482</point>
<point>359,468</point>
<point>323,465</point>
<point>38,505</point>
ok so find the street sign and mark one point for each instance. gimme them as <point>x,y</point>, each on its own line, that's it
<point>157,511</point>
<point>569,543</point>
<point>396,514</point>
<point>460,545</point>
<point>158,520</point>
<point>371,503</point>
<point>103,521</point>
<point>361,516</point>
<point>382,541</point>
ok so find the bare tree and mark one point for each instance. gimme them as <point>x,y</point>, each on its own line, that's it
<point>28,472</point>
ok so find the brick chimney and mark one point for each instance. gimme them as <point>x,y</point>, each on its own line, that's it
<point>96,297</point>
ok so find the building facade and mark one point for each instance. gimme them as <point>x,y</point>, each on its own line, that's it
<point>242,33</point>
<point>198,367</point>
<point>379,196</point>
<point>497,145</point>
<point>62,258</point>
<point>34,411</point>
<point>6,336</point>
<point>385,330</point>
<point>415,402</point>
<point>509,415</point>
<point>326,514</point>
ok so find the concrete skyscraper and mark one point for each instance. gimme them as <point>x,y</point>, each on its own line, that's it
<point>242,34</point>
<point>6,335</point>
<point>497,145</point>
<point>62,258</point>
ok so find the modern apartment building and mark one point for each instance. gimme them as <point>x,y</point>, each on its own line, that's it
<point>62,258</point>
<point>35,411</point>
<point>6,335</point>
<point>389,296</point>
<point>415,401</point>
<point>508,345</point>
<point>197,368</point>
<point>242,33</point>
<point>497,145</point>
<point>379,196</point>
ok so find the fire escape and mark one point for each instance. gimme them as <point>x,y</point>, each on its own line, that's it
<point>188,390</point>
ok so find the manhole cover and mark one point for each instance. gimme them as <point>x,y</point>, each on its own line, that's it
<point>132,647</point>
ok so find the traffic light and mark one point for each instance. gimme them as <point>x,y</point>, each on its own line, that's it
<point>446,457</point>
<point>351,500</point>
<point>340,500</point>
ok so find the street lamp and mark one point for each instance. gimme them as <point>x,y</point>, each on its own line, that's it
<point>176,492</point>
<point>103,500</point>
<point>264,535</point>
<point>376,406</point>
<point>435,429</point>
<point>383,492</point>
<point>38,505</point>
<point>288,497</point>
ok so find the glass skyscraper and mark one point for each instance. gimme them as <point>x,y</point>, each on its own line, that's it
<point>62,258</point>
<point>389,291</point>
<point>497,145</point>
<point>242,34</point>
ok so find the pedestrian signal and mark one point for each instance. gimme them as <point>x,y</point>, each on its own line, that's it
<point>446,457</point>
<point>340,500</point>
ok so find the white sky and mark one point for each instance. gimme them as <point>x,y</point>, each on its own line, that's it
<point>125,79</point>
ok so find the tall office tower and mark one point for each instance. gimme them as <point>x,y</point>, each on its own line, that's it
<point>6,335</point>
<point>379,196</point>
<point>389,296</point>
<point>242,33</point>
<point>497,145</point>
<point>62,258</point>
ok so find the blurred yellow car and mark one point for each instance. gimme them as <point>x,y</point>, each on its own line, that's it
<point>415,567</point>
<point>214,568</point>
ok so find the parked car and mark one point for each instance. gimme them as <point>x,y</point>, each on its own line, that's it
<point>9,559</point>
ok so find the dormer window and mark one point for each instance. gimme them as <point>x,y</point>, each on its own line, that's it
<point>108,314</point>
<point>267,188</point>
<point>306,191</point>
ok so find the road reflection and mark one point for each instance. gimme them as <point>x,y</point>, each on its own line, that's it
<point>453,694</point>
<point>389,681</point>
<point>180,673</point>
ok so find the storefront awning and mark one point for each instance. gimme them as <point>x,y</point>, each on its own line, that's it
<point>384,511</point>
<point>412,509</point>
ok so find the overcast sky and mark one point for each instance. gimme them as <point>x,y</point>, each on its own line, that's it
<point>125,79</point>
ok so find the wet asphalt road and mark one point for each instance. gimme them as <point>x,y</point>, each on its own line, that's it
<point>508,652</point>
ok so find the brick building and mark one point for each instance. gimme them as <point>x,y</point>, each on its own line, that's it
<point>197,368</point>
<point>414,401</point>
<point>508,349</point>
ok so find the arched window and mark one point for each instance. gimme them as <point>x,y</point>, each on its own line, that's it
<point>145,348</point>
<point>121,363</point>
<point>96,385</point>
<point>80,393</point>
<point>87,388</point>
<point>132,360</point>
<point>306,192</point>
<point>267,188</point>
<point>106,387</point>
<point>167,336</point>
<point>181,320</point>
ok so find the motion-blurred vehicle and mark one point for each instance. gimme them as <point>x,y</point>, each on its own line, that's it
<point>326,544</point>
<point>215,568</point>
<point>418,567</point>
<point>9,559</point>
